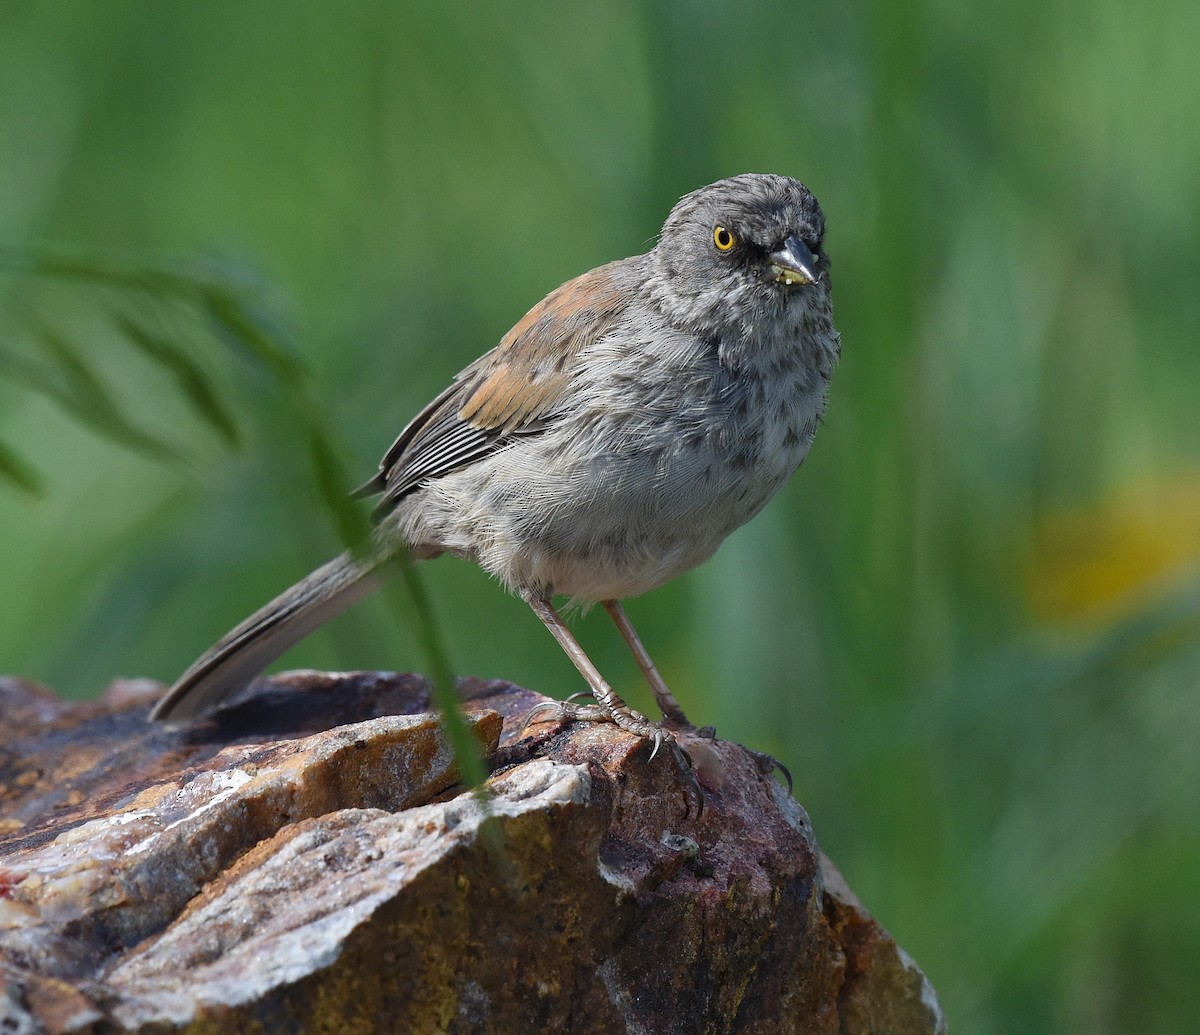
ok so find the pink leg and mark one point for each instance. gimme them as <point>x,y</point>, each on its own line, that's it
<point>672,713</point>
<point>608,707</point>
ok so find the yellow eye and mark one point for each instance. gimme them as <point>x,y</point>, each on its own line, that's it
<point>723,239</point>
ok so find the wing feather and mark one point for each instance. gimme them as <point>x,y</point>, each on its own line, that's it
<point>515,389</point>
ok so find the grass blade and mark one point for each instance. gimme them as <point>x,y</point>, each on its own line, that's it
<point>82,394</point>
<point>191,379</point>
<point>18,473</point>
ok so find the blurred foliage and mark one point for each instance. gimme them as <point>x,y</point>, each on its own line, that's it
<point>970,626</point>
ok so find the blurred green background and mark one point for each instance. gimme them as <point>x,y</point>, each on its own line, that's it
<point>970,625</point>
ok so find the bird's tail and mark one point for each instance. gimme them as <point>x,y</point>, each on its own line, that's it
<point>243,652</point>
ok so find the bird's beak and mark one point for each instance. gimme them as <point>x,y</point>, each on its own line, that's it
<point>793,263</point>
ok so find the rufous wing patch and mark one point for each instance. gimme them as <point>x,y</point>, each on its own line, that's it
<point>527,375</point>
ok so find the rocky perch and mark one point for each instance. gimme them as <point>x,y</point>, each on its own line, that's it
<point>308,861</point>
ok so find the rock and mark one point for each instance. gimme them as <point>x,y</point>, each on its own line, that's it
<point>307,861</point>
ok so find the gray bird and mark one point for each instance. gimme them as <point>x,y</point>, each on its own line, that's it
<point>618,433</point>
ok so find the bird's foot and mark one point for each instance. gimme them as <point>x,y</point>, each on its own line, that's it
<point>770,764</point>
<point>620,714</point>
<point>628,719</point>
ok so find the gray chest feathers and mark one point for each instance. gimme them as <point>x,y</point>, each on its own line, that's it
<point>713,441</point>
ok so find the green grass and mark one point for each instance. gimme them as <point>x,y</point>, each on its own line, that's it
<point>243,244</point>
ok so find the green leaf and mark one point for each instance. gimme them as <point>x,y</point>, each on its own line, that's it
<point>81,393</point>
<point>18,473</point>
<point>158,281</point>
<point>348,514</point>
<point>232,316</point>
<point>466,750</point>
<point>221,300</point>
<point>199,391</point>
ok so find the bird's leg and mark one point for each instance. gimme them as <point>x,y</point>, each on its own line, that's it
<point>608,707</point>
<point>672,713</point>
<point>673,716</point>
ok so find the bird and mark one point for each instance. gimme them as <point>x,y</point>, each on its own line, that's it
<point>616,435</point>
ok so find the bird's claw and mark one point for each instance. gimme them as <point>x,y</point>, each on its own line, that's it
<point>691,782</point>
<point>769,764</point>
<point>658,739</point>
<point>532,713</point>
<point>579,695</point>
<point>564,712</point>
<point>784,771</point>
<point>632,722</point>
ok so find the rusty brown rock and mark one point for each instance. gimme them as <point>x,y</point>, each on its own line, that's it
<point>306,861</point>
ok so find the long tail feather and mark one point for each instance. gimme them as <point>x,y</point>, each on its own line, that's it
<point>243,652</point>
